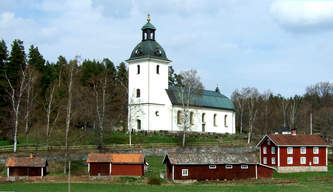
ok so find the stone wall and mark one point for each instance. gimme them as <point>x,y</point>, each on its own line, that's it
<point>291,169</point>
<point>154,152</point>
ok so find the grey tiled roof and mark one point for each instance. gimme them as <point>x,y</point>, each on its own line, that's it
<point>210,158</point>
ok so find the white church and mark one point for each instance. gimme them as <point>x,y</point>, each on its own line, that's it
<point>154,105</point>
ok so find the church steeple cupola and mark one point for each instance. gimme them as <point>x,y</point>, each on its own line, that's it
<point>148,31</point>
<point>148,47</point>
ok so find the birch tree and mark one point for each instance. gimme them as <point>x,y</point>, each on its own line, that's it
<point>253,104</point>
<point>239,100</point>
<point>15,75</point>
<point>190,90</point>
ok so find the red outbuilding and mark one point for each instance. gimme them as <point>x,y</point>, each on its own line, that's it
<point>294,152</point>
<point>106,165</point>
<point>212,166</point>
<point>26,167</point>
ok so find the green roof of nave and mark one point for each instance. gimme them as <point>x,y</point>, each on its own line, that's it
<point>209,99</point>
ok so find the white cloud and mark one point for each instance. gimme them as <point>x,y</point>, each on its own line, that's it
<point>303,16</point>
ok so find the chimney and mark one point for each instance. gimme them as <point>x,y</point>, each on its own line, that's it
<point>293,132</point>
<point>31,155</point>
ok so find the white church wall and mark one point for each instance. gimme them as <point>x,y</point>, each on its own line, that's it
<point>208,123</point>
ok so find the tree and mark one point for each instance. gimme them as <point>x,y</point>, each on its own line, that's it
<point>239,100</point>
<point>189,91</point>
<point>174,79</point>
<point>15,75</point>
<point>323,122</point>
<point>101,87</point>
<point>253,102</point>
<point>3,86</point>
<point>72,72</point>
<point>283,104</point>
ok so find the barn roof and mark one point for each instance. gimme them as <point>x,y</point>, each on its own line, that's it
<point>210,158</point>
<point>99,158</point>
<point>128,158</point>
<point>26,162</point>
<point>116,158</point>
<point>295,140</point>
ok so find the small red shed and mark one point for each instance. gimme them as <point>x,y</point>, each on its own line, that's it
<point>212,166</point>
<point>115,164</point>
<point>24,167</point>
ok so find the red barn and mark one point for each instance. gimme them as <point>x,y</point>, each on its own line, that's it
<point>294,152</point>
<point>26,167</point>
<point>212,166</point>
<point>115,164</point>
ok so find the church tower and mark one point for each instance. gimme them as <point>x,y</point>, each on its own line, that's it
<point>148,80</point>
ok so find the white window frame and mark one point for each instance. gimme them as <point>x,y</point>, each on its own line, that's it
<point>264,160</point>
<point>264,150</point>
<point>244,166</point>
<point>273,160</point>
<point>289,160</point>
<point>268,142</point>
<point>184,172</point>
<point>315,150</point>
<point>303,150</point>
<point>289,150</point>
<point>273,150</point>
<point>212,166</point>
<point>315,160</point>
<point>228,166</point>
<point>303,160</point>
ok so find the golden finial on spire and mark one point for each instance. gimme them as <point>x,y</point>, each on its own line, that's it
<point>148,19</point>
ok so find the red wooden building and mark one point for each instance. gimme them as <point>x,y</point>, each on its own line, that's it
<point>212,166</point>
<point>107,165</point>
<point>294,152</point>
<point>26,167</point>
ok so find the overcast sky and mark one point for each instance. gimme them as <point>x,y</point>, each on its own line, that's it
<point>283,46</point>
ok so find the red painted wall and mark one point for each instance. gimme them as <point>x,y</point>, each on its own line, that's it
<point>25,171</point>
<point>269,154</point>
<point>297,156</point>
<point>202,172</point>
<point>264,172</point>
<point>102,168</point>
<point>127,169</point>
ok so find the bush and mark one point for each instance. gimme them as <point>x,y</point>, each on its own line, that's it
<point>154,181</point>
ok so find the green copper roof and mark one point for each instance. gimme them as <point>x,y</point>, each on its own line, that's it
<point>148,25</point>
<point>148,49</point>
<point>209,99</point>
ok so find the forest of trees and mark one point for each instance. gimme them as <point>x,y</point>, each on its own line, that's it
<point>49,99</point>
<point>57,99</point>
<point>263,113</point>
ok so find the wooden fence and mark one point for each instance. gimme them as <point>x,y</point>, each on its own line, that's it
<point>318,179</point>
<point>113,146</point>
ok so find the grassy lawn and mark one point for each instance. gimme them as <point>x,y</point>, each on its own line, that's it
<point>92,187</point>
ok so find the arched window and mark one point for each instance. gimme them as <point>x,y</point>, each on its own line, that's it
<point>138,93</point>
<point>192,118</point>
<point>226,120</point>
<point>179,117</point>
<point>157,69</point>
<point>138,71</point>
<point>203,117</point>
<point>138,124</point>
<point>215,120</point>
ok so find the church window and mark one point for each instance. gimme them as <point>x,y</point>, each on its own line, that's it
<point>179,117</point>
<point>226,120</point>
<point>138,69</point>
<point>138,93</point>
<point>157,69</point>
<point>192,118</point>
<point>138,124</point>
<point>203,117</point>
<point>215,119</point>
